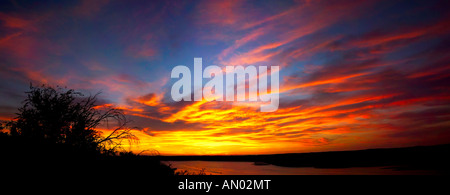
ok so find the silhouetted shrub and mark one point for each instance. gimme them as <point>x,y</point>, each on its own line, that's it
<point>64,117</point>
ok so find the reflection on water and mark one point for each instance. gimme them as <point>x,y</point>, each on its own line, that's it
<point>248,168</point>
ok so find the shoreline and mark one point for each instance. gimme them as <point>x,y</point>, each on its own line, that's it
<point>411,158</point>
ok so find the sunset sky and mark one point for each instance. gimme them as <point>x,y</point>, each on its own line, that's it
<point>353,74</point>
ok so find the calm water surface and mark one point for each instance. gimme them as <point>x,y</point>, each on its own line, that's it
<point>248,168</point>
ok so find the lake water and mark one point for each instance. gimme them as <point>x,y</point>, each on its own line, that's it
<point>248,168</point>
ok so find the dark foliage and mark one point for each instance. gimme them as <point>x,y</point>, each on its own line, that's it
<point>65,117</point>
<point>55,129</point>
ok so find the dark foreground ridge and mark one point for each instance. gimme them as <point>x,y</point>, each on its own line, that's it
<point>27,156</point>
<point>419,157</point>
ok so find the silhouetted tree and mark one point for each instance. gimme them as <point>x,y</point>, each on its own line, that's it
<point>66,117</point>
